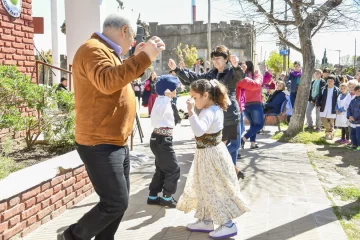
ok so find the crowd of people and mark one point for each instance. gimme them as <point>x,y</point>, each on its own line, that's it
<point>219,99</point>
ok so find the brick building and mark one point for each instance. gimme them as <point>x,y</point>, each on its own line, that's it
<point>16,38</point>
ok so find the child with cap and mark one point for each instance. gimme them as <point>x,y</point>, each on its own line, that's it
<point>164,117</point>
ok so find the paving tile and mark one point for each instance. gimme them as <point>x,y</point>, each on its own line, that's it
<point>284,193</point>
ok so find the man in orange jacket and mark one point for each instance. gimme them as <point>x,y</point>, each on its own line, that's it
<point>105,109</point>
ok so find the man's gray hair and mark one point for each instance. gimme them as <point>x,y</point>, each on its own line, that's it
<point>120,19</point>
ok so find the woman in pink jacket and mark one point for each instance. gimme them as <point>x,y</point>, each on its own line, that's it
<point>254,111</point>
<point>242,86</point>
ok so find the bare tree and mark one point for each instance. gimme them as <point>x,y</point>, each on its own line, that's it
<point>300,20</point>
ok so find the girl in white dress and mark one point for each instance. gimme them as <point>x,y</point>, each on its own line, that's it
<point>212,188</point>
<point>341,121</point>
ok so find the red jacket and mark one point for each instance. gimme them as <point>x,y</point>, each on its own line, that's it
<point>251,86</point>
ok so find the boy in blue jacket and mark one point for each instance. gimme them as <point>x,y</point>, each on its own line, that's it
<point>353,114</point>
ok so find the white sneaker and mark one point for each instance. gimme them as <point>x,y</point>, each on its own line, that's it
<point>223,232</point>
<point>200,226</point>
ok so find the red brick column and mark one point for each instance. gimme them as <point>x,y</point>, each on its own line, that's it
<point>16,38</point>
<point>23,213</point>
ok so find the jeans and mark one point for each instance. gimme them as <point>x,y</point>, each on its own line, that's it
<point>255,114</point>
<point>108,167</point>
<point>233,146</point>
<point>167,172</point>
<point>355,136</point>
<point>309,109</point>
<point>292,99</point>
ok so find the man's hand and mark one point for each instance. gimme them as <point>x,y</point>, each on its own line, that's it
<point>139,48</point>
<point>172,64</point>
<point>244,67</point>
<point>351,119</point>
<point>234,61</point>
<point>153,47</point>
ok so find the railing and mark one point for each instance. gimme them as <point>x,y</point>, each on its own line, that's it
<point>36,71</point>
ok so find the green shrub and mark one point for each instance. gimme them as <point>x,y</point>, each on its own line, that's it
<point>56,109</point>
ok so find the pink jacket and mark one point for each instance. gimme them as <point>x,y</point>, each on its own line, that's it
<point>250,86</point>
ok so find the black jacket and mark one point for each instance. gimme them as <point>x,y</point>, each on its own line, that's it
<point>322,85</point>
<point>229,77</point>
<point>60,87</point>
<point>321,101</point>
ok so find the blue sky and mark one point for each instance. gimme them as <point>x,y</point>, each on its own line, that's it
<point>179,11</point>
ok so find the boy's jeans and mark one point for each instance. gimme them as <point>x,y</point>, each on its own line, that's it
<point>310,107</point>
<point>355,136</point>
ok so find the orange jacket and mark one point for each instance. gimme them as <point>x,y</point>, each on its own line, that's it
<point>104,99</point>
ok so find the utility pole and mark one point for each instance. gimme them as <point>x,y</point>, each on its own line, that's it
<point>285,33</point>
<point>209,31</point>
<point>355,57</point>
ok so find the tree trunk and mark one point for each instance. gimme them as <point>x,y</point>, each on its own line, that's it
<point>297,120</point>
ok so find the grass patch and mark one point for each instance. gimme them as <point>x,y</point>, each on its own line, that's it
<point>183,94</point>
<point>348,218</point>
<point>7,166</point>
<point>346,193</point>
<point>305,137</point>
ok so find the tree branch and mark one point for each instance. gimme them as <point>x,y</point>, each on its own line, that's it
<point>313,19</point>
<point>269,16</point>
<point>288,43</point>
<point>319,27</point>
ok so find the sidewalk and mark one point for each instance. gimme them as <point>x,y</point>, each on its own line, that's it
<point>286,197</point>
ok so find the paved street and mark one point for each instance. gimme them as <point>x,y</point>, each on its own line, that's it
<point>285,194</point>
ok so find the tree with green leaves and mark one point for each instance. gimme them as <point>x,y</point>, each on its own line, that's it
<point>275,62</point>
<point>187,55</point>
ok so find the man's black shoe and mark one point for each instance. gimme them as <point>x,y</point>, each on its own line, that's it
<point>239,156</point>
<point>170,203</point>
<point>153,201</point>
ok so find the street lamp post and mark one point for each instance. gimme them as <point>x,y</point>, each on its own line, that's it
<point>209,31</point>
<point>339,54</point>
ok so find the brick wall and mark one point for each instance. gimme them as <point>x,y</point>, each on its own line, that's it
<point>16,38</point>
<point>25,212</point>
<point>17,48</point>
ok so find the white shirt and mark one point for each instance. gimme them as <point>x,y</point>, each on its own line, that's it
<point>210,120</point>
<point>328,106</point>
<point>162,114</point>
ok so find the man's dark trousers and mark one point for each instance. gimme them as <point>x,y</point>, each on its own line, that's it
<point>167,172</point>
<point>108,167</point>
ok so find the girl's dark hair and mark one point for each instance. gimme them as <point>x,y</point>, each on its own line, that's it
<point>151,75</point>
<point>217,94</point>
<point>297,63</point>
<point>220,51</point>
<point>250,68</point>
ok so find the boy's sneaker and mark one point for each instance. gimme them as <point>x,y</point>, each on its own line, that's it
<point>153,201</point>
<point>351,146</point>
<point>318,129</point>
<point>168,203</point>
<point>358,149</point>
<point>339,141</point>
<point>200,226</point>
<point>223,232</point>
<point>346,141</point>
